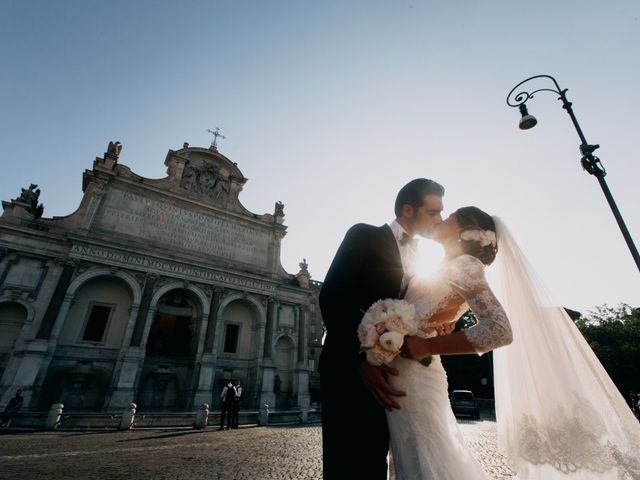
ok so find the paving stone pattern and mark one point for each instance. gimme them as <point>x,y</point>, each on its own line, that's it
<point>269,453</point>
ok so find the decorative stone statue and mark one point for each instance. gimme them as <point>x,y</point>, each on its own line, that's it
<point>113,150</point>
<point>30,196</point>
<point>304,266</point>
<point>190,179</point>
<point>207,182</point>
<point>303,276</point>
<point>279,211</point>
<point>221,186</point>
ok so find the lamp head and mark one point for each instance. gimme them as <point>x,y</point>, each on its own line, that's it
<point>527,121</point>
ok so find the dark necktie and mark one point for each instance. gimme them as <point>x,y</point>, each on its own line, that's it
<point>407,240</point>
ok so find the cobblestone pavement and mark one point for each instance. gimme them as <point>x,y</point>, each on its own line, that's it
<point>256,453</point>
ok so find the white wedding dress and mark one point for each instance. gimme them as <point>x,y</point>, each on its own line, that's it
<point>559,415</point>
<point>426,443</point>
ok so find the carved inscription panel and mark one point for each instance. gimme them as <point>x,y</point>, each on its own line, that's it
<point>26,273</point>
<point>162,222</point>
<point>286,317</point>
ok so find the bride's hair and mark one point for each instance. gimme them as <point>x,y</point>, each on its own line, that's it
<point>472,218</point>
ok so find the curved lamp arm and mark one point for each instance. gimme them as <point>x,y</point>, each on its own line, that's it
<point>589,161</point>
<point>523,97</point>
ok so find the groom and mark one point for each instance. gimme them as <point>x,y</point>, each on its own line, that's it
<point>372,263</point>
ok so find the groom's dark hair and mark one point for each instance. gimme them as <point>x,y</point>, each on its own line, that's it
<point>413,193</point>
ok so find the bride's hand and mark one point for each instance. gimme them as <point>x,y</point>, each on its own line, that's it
<point>445,329</point>
<point>415,348</point>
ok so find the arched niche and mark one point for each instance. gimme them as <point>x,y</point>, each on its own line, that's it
<point>240,328</point>
<point>284,349</point>
<point>99,311</point>
<point>174,329</point>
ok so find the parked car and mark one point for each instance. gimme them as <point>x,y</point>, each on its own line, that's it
<point>463,402</point>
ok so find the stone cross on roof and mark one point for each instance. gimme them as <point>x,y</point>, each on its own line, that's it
<point>216,134</point>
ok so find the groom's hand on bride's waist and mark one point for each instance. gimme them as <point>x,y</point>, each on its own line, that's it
<point>375,381</point>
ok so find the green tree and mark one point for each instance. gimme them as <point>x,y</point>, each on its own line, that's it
<point>614,335</point>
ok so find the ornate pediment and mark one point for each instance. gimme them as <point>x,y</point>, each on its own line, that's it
<point>209,181</point>
<point>205,174</point>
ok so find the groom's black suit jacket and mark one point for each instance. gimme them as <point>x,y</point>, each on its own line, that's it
<point>367,267</point>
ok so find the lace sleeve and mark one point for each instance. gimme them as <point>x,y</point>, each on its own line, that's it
<point>466,277</point>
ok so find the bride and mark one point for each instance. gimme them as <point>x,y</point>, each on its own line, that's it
<point>559,414</point>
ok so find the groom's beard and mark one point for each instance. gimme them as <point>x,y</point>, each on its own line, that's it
<point>427,232</point>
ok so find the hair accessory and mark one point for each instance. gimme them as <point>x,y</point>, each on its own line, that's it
<point>483,237</point>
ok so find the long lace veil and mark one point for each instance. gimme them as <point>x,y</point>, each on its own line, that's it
<point>559,414</point>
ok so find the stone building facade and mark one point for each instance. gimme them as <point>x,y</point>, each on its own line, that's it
<point>154,291</point>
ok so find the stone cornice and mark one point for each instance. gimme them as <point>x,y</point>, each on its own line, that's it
<point>173,268</point>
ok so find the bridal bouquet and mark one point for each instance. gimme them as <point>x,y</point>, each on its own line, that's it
<point>383,327</point>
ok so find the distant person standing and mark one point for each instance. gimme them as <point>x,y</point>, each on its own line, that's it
<point>13,407</point>
<point>236,403</point>
<point>228,397</point>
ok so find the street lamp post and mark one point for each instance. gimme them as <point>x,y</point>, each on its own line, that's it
<point>589,161</point>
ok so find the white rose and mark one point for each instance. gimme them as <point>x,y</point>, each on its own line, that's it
<point>391,341</point>
<point>378,355</point>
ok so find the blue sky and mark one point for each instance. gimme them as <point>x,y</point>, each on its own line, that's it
<point>330,107</point>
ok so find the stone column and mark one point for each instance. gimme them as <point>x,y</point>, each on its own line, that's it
<point>57,299</point>
<point>147,294</point>
<point>302,334</point>
<point>151,312</point>
<point>213,317</point>
<point>133,315</point>
<point>267,395</point>
<point>207,364</point>
<point>126,367</point>
<point>62,315</point>
<point>272,304</point>
<point>302,371</point>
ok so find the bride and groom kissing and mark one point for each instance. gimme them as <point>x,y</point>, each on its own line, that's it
<point>559,414</point>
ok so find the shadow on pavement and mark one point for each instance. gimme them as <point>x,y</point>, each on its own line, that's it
<point>167,435</point>
<point>295,425</point>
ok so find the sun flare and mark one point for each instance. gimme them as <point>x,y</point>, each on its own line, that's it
<point>430,255</point>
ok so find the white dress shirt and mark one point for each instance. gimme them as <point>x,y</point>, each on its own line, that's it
<point>408,253</point>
